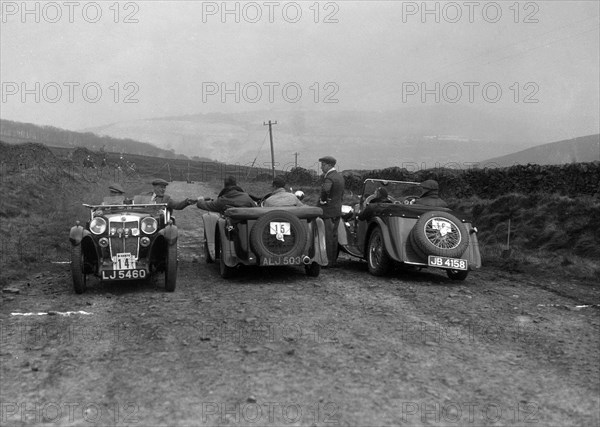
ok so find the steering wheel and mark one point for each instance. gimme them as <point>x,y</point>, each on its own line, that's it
<point>408,200</point>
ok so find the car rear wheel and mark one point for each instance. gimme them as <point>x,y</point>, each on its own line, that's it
<point>313,269</point>
<point>77,265</point>
<point>457,274</point>
<point>440,233</point>
<point>171,268</point>
<point>378,259</point>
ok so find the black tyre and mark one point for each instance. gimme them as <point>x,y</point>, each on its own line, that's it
<point>265,244</point>
<point>225,271</point>
<point>377,257</point>
<point>440,233</point>
<point>171,268</point>
<point>313,269</point>
<point>457,274</point>
<point>77,266</point>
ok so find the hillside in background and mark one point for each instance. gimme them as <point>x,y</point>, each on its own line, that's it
<point>429,134</point>
<point>583,149</point>
<point>17,132</point>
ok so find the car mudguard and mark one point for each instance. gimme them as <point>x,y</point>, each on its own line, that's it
<point>209,221</point>
<point>77,234</point>
<point>390,246</point>
<point>229,255</point>
<point>317,228</point>
<point>170,234</point>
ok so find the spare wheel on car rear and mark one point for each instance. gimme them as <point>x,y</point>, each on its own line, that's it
<point>278,234</point>
<point>440,233</point>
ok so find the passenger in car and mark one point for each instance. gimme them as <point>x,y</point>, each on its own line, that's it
<point>116,195</point>
<point>158,196</point>
<point>280,196</point>
<point>430,196</point>
<point>231,196</point>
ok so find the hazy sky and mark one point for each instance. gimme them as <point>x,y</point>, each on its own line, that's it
<point>176,57</point>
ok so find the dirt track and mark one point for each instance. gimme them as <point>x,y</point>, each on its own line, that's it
<point>274,347</point>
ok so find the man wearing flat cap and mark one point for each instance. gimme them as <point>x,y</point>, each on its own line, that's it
<point>116,195</point>
<point>430,196</point>
<point>330,200</point>
<point>279,196</point>
<point>158,196</point>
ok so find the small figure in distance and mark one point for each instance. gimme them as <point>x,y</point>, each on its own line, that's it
<point>158,196</point>
<point>430,196</point>
<point>231,196</point>
<point>279,196</point>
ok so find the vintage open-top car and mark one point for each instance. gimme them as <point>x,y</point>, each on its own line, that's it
<point>399,229</point>
<point>265,237</point>
<point>124,242</point>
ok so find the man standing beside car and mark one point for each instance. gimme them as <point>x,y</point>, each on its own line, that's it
<point>330,200</point>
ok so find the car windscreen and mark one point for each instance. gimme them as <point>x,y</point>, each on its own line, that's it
<point>395,189</point>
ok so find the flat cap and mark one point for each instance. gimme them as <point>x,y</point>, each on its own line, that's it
<point>116,188</point>
<point>160,181</point>
<point>430,184</point>
<point>278,182</point>
<point>328,159</point>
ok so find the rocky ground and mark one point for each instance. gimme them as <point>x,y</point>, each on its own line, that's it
<point>275,347</point>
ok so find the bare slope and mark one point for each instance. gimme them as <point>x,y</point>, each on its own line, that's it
<point>582,149</point>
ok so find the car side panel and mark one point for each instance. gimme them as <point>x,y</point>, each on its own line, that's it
<point>397,239</point>
<point>229,255</point>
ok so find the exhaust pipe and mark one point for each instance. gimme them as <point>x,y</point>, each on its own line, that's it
<point>306,260</point>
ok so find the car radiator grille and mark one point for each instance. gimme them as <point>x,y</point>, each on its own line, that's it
<point>126,243</point>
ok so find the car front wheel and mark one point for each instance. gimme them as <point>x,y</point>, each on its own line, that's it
<point>77,265</point>
<point>378,259</point>
<point>171,268</point>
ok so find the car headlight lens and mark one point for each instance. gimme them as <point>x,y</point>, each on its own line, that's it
<point>149,225</point>
<point>98,225</point>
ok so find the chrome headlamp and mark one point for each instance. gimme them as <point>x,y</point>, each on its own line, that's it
<point>98,225</point>
<point>149,225</point>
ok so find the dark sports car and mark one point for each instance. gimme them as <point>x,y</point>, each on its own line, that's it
<point>124,242</point>
<point>266,237</point>
<point>399,229</point>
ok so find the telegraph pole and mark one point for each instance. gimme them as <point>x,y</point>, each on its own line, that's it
<point>296,159</point>
<point>272,151</point>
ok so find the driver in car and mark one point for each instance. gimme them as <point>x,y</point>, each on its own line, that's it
<point>380,196</point>
<point>430,196</point>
